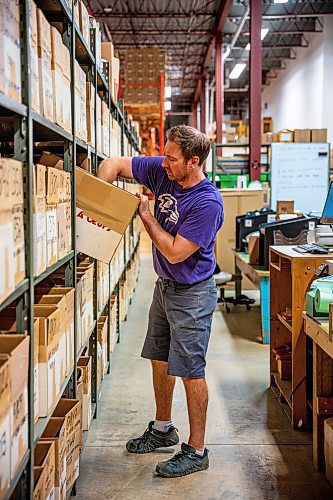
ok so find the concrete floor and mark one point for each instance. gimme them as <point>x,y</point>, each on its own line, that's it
<point>254,454</point>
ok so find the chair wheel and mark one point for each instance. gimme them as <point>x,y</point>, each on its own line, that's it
<point>228,309</point>
<point>248,308</point>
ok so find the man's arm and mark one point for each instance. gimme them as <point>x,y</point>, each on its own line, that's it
<point>112,167</point>
<point>175,249</point>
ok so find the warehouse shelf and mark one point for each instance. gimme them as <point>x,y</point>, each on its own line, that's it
<point>9,106</point>
<point>54,10</point>
<point>42,422</point>
<point>45,130</point>
<point>18,474</point>
<point>54,267</point>
<point>83,53</point>
<point>16,294</point>
<point>101,81</point>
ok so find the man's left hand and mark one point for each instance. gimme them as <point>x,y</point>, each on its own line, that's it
<point>144,205</point>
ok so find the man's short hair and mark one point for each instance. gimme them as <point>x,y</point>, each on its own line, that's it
<point>192,142</point>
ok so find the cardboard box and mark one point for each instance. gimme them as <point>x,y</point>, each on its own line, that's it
<point>34,56</point>
<point>90,113</point>
<point>84,363</point>
<point>107,50</point>
<point>44,64</point>
<point>73,459</point>
<point>285,136</point>
<point>51,160</point>
<point>253,246</point>
<point>10,54</point>
<point>5,382</point>
<point>319,135</point>
<point>51,235</point>
<point>71,410</point>
<point>49,357</point>
<point>328,448</point>
<point>99,122</point>
<point>39,483</point>
<point>39,235</point>
<point>19,428</point>
<point>84,22</point>
<point>80,102</point>
<point>56,432</point>
<point>302,135</point>
<point>45,458</point>
<point>62,231</point>
<point>100,227</point>
<point>36,378</point>
<point>12,250</point>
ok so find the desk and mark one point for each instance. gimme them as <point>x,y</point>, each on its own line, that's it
<point>260,278</point>
<point>317,330</point>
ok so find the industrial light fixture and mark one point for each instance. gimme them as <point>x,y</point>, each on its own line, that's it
<point>280,1</point>
<point>167,105</point>
<point>167,92</point>
<point>237,71</point>
<point>264,32</point>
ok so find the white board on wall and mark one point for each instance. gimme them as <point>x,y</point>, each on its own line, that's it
<point>300,172</point>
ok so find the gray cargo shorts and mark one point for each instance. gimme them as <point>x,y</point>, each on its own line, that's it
<point>179,326</point>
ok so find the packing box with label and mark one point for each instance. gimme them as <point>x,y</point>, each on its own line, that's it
<point>5,381</point>
<point>302,135</point>
<point>34,56</point>
<point>71,410</point>
<point>99,123</point>
<point>45,457</point>
<point>102,338</point>
<point>44,64</point>
<point>56,432</point>
<point>84,22</point>
<point>73,458</point>
<point>319,135</point>
<point>39,219</point>
<point>80,102</point>
<point>105,129</point>
<point>51,235</point>
<point>12,250</point>
<point>60,64</point>
<point>285,136</point>
<point>52,295</point>
<point>36,378</point>
<point>103,213</point>
<point>84,363</point>
<point>49,358</point>
<point>16,346</point>
<point>90,113</point>
<point>60,302</point>
<point>10,54</point>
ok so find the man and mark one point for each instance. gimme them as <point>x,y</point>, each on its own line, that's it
<point>188,213</point>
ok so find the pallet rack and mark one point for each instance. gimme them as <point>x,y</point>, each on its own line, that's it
<point>30,127</point>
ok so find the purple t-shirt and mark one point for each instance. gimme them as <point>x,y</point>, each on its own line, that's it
<point>195,213</point>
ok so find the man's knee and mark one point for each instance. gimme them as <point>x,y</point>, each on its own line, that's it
<point>191,381</point>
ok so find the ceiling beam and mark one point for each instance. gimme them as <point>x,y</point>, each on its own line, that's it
<point>161,32</point>
<point>145,15</point>
<point>222,14</point>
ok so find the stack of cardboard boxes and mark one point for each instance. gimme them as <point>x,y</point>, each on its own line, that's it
<point>102,340</point>
<point>107,52</point>
<point>84,297</point>
<point>80,103</point>
<point>34,57</point>
<point>10,58</point>
<point>113,321</point>
<point>12,249</point>
<point>297,135</point>
<point>84,364</point>
<point>14,364</point>
<point>103,278</point>
<point>44,65</point>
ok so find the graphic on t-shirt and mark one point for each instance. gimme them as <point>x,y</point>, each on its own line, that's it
<point>168,204</point>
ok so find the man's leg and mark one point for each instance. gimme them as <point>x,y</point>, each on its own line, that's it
<point>163,388</point>
<point>197,402</point>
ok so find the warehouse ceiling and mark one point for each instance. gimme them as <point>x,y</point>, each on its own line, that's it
<point>185,29</point>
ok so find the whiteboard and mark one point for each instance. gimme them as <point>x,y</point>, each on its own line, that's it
<point>300,172</point>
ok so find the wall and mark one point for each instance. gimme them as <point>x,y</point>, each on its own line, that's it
<point>302,97</point>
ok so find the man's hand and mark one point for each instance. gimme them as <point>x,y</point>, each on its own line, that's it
<point>144,211</point>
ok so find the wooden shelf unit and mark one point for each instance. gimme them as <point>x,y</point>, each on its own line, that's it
<point>291,275</point>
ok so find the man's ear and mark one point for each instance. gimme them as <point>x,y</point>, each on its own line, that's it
<point>195,160</point>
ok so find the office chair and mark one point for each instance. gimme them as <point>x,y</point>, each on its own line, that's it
<point>222,278</point>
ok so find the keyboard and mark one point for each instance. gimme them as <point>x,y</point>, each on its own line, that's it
<point>312,248</point>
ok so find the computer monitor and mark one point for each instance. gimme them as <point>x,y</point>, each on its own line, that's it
<point>327,217</point>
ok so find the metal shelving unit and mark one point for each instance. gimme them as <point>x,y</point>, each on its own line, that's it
<point>27,128</point>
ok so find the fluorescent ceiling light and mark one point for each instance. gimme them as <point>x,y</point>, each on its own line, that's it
<point>280,1</point>
<point>167,92</point>
<point>237,71</point>
<point>167,105</point>
<point>264,32</point>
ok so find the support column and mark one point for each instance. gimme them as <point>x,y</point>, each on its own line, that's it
<point>161,131</point>
<point>203,104</point>
<point>219,87</point>
<point>194,115</point>
<point>255,88</point>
